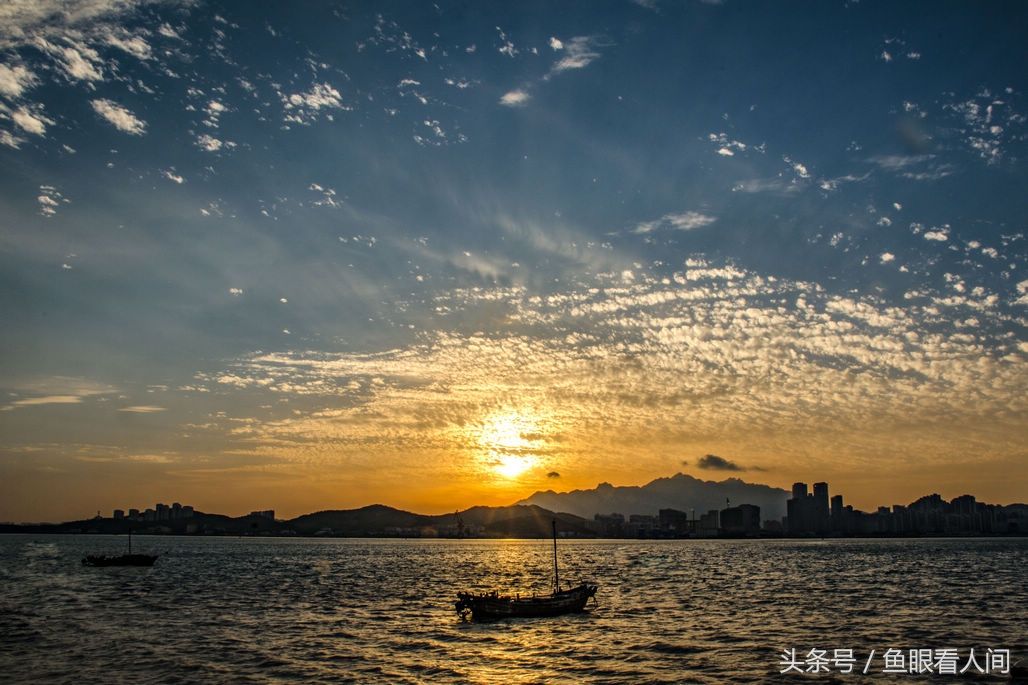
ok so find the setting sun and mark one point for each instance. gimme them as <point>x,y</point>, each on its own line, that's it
<point>509,441</point>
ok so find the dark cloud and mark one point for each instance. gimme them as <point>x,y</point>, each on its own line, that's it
<point>553,474</point>
<point>716,463</point>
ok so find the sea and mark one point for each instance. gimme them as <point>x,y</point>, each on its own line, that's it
<point>270,610</point>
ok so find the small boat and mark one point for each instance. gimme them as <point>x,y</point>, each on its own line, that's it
<point>129,559</point>
<point>491,605</point>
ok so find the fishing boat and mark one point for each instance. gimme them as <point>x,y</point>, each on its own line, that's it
<point>129,559</point>
<point>492,605</point>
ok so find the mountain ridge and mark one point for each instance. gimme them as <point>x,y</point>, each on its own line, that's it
<point>680,491</point>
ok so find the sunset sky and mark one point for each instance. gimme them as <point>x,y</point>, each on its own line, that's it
<point>308,255</point>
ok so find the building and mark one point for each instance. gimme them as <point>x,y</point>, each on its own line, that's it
<point>741,520</point>
<point>609,525</point>
<point>674,521</point>
<point>119,514</point>
<point>708,524</point>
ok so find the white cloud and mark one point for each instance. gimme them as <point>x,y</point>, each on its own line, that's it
<point>49,399</point>
<point>896,162</point>
<point>235,291</point>
<point>133,45</point>
<point>556,43</point>
<point>579,52</point>
<point>725,152</point>
<point>305,107</point>
<point>78,61</point>
<point>886,257</point>
<point>143,409</point>
<point>15,80</point>
<point>683,221</point>
<point>940,236</point>
<point>31,121</point>
<point>172,176</point>
<point>515,98</point>
<point>119,117</point>
<point>212,144</point>
<point>49,200</point>
<point>10,140</point>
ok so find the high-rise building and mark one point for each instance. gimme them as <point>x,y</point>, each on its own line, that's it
<point>799,490</point>
<point>119,513</point>
<point>821,506</point>
<point>133,514</point>
<point>162,512</point>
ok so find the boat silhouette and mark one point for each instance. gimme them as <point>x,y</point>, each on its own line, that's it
<point>129,559</point>
<point>492,605</point>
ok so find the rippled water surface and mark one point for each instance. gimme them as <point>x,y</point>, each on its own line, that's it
<point>269,610</point>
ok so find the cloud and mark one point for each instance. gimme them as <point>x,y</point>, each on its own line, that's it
<point>556,43</point>
<point>553,474</point>
<point>133,45</point>
<point>940,235</point>
<point>579,53</point>
<point>142,409</point>
<point>897,162</point>
<point>886,257</point>
<point>209,143</point>
<point>716,463</point>
<point>10,140</point>
<point>49,200</point>
<point>777,186</point>
<point>172,176</point>
<point>235,291</point>
<point>48,399</point>
<point>683,221</point>
<point>119,117</point>
<point>515,98</point>
<point>78,61</point>
<point>58,390</point>
<point>305,108</point>
<point>15,80</point>
<point>31,121</point>
<point>23,20</point>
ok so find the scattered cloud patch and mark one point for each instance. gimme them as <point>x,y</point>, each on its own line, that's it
<point>682,221</point>
<point>50,199</point>
<point>712,462</point>
<point>15,80</point>
<point>579,52</point>
<point>119,117</point>
<point>515,98</point>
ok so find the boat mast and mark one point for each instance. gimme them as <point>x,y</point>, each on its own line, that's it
<point>556,573</point>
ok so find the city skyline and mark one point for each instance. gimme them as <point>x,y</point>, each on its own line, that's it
<point>261,256</point>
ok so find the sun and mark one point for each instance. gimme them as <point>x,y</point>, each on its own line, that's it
<point>509,442</point>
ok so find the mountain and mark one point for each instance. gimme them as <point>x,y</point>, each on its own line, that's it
<point>680,492</point>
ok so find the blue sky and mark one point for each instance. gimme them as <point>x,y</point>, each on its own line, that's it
<point>256,255</point>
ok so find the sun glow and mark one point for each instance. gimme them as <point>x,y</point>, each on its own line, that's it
<point>509,442</point>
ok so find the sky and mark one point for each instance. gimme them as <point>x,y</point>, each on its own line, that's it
<point>299,257</point>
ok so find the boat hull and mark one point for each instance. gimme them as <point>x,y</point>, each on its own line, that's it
<point>493,606</point>
<point>120,560</point>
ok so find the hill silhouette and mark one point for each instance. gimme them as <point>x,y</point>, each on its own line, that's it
<point>681,491</point>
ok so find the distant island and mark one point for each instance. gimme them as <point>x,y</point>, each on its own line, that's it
<point>676,507</point>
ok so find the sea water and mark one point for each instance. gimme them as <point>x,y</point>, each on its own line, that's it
<point>258,610</point>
